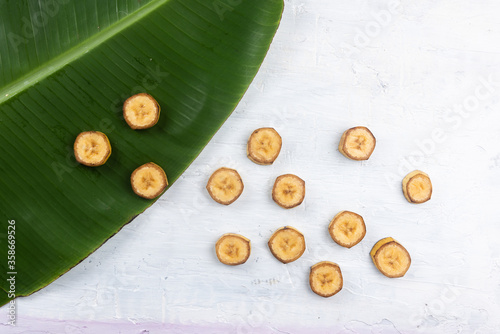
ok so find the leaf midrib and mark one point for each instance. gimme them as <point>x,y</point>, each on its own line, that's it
<point>55,64</point>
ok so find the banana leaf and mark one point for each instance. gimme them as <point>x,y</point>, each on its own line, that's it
<point>66,66</point>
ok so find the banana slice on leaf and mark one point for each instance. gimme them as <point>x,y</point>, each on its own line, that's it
<point>417,187</point>
<point>225,185</point>
<point>390,258</point>
<point>325,279</point>
<point>287,244</point>
<point>92,148</point>
<point>357,143</point>
<point>264,146</point>
<point>347,229</point>
<point>289,191</point>
<point>233,249</point>
<point>149,180</point>
<point>141,111</point>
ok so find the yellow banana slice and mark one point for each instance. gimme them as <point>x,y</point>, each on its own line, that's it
<point>233,249</point>
<point>149,180</point>
<point>326,279</point>
<point>264,146</point>
<point>390,258</point>
<point>141,111</point>
<point>357,143</point>
<point>289,191</point>
<point>225,186</point>
<point>287,244</point>
<point>347,229</point>
<point>417,187</point>
<point>92,148</point>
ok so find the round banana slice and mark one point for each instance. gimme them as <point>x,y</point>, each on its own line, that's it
<point>357,143</point>
<point>287,244</point>
<point>326,279</point>
<point>289,191</point>
<point>233,249</point>
<point>264,146</point>
<point>347,229</point>
<point>390,258</point>
<point>141,111</point>
<point>225,185</point>
<point>417,187</point>
<point>149,180</point>
<point>92,148</point>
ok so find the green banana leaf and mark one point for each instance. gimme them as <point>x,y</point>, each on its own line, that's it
<point>67,66</point>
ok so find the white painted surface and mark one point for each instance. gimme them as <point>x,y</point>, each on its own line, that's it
<point>425,58</point>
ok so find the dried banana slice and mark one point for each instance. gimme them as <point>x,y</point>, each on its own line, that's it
<point>233,249</point>
<point>357,143</point>
<point>289,191</point>
<point>390,258</point>
<point>149,180</point>
<point>287,244</point>
<point>347,229</point>
<point>326,279</point>
<point>141,111</point>
<point>225,185</point>
<point>417,187</point>
<point>264,146</point>
<point>92,148</point>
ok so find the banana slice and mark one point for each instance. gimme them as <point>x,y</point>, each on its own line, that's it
<point>149,180</point>
<point>92,148</point>
<point>390,258</point>
<point>357,143</point>
<point>287,244</point>
<point>225,186</point>
<point>264,146</point>
<point>417,187</point>
<point>326,279</point>
<point>141,111</point>
<point>233,249</point>
<point>289,191</point>
<point>347,229</point>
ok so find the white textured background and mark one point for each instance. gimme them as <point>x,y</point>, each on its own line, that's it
<point>416,73</point>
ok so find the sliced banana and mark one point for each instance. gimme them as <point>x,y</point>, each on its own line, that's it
<point>233,249</point>
<point>390,258</point>
<point>357,143</point>
<point>326,279</point>
<point>264,146</point>
<point>287,244</point>
<point>417,187</point>
<point>149,180</point>
<point>92,148</point>
<point>289,191</point>
<point>347,229</point>
<point>225,185</point>
<point>141,111</point>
